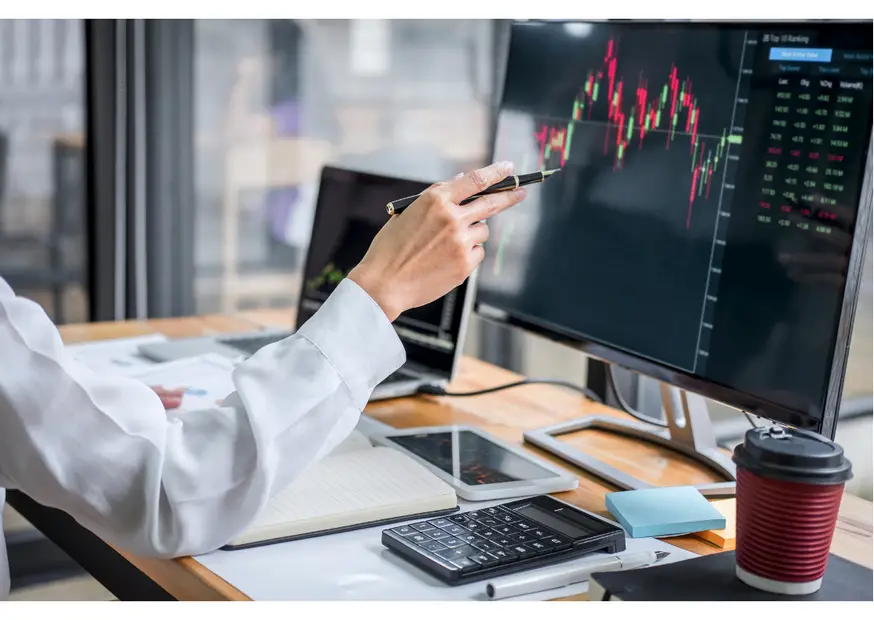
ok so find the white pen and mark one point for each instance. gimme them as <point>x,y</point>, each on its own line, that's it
<point>568,573</point>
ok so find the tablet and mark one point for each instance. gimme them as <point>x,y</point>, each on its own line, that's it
<point>477,465</point>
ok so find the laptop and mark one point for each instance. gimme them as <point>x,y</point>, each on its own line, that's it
<point>350,210</point>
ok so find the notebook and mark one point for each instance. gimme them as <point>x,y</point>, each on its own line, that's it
<point>724,538</point>
<point>712,578</point>
<point>357,485</point>
<point>664,511</point>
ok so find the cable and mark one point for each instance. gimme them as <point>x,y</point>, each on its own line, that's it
<point>434,390</point>
<point>634,413</point>
<point>750,420</point>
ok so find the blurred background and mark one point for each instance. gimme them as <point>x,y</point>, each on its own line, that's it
<point>228,124</point>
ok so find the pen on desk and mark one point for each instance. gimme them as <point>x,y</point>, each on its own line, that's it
<point>515,181</point>
<point>568,573</point>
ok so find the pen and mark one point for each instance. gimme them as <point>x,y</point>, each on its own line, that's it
<point>515,181</point>
<point>565,575</point>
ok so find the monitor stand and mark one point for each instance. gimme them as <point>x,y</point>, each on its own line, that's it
<point>689,432</point>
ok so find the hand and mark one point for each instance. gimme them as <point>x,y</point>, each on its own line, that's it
<point>170,398</point>
<point>435,244</point>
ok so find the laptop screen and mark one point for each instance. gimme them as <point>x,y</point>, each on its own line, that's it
<point>350,210</point>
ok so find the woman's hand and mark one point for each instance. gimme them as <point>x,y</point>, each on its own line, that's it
<point>435,244</point>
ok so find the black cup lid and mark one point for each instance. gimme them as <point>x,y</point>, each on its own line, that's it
<point>793,455</point>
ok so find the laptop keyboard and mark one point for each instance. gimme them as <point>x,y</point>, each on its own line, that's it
<point>252,344</point>
<point>398,376</point>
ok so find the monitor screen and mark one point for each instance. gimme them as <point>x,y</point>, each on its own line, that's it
<point>350,210</point>
<point>707,209</point>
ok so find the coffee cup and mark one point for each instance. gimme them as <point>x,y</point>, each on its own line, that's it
<point>789,488</point>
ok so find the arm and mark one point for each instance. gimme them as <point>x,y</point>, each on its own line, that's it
<point>103,449</point>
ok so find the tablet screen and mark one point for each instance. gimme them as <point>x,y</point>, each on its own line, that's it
<point>471,458</point>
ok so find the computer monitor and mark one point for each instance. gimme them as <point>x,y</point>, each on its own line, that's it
<point>709,224</point>
<point>350,210</point>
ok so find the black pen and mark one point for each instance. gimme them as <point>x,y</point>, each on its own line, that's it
<point>515,181</point>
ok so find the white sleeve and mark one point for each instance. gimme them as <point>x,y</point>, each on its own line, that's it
<point>103,449</point>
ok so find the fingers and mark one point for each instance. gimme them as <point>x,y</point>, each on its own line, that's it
<point>477,255</point>
<point>171,399</point>
<point>486,206</point>
<point>478,233</point>
<point>477,180</point>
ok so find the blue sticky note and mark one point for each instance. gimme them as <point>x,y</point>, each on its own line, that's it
<point>667,511</point>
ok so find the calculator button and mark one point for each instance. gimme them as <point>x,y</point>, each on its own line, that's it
<point>484,559</point>
<point>465,564</point>
<point>441,523</point>
<point>474,515</point>
<point>504,556</point>
<point>507,518</point>
<point>432,546</point>
<point>452,542</point>
<point>403,530</point>
<point>524,525</point>
<point>504,542</point>
<point>460,519</point>
<point>471,539</point>
<point>558,542</point>
<point>489,521</point>
<point>473,526</point>
<point>506,529</point>
<point>455,530</point>
<point>538,533</point>
<point>540,547</point>
<point>436,534</point>
<point>455,554</point>
<point>485,545</point>
<point>521,538</point>
<point>417,537</point>
<point>422,527</point>
<point>521,551</point>
<point>493,511</point>
<point>490,534</point>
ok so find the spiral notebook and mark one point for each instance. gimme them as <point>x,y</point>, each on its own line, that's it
<point>355,486</point>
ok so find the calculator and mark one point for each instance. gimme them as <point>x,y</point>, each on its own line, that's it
<point>500,540</point>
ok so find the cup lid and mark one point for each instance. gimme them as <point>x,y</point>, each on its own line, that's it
<point>793,455</point>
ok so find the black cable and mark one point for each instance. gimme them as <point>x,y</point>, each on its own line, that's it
<point>634,413</point>
<point>434,390</point>
<point>750,420</point>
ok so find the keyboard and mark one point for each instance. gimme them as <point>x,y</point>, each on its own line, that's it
<point>398,376</point>
<point>251,344</point>
<point>500,540</point>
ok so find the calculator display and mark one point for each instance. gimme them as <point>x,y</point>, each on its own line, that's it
<point>547,518</point>
<point>471,458</point>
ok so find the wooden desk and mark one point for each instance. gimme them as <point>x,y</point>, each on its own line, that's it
<point>506,414</point>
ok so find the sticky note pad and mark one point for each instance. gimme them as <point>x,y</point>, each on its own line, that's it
<point>726,537</point>
<point>668,511</point>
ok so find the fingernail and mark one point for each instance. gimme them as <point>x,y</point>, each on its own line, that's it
<point>521,193</point>
<point>506,166</point>
<point>458,176</point>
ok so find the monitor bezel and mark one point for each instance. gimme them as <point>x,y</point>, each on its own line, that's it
<point>737,399</point>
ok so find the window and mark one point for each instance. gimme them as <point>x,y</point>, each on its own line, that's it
<point>42,222</point>
<point>276,100</point>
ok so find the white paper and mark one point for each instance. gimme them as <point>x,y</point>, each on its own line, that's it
<point>119,356</point>
<point>206,379</point>
<point>355,566</point>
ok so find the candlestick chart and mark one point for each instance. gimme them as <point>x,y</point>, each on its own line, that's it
<point>638,111</point>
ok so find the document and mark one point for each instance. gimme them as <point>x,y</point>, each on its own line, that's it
<point>206,379</point>
<point>119,356</point>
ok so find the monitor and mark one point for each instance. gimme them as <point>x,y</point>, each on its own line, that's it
<point>709,224</point>
<point>350,210</point>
